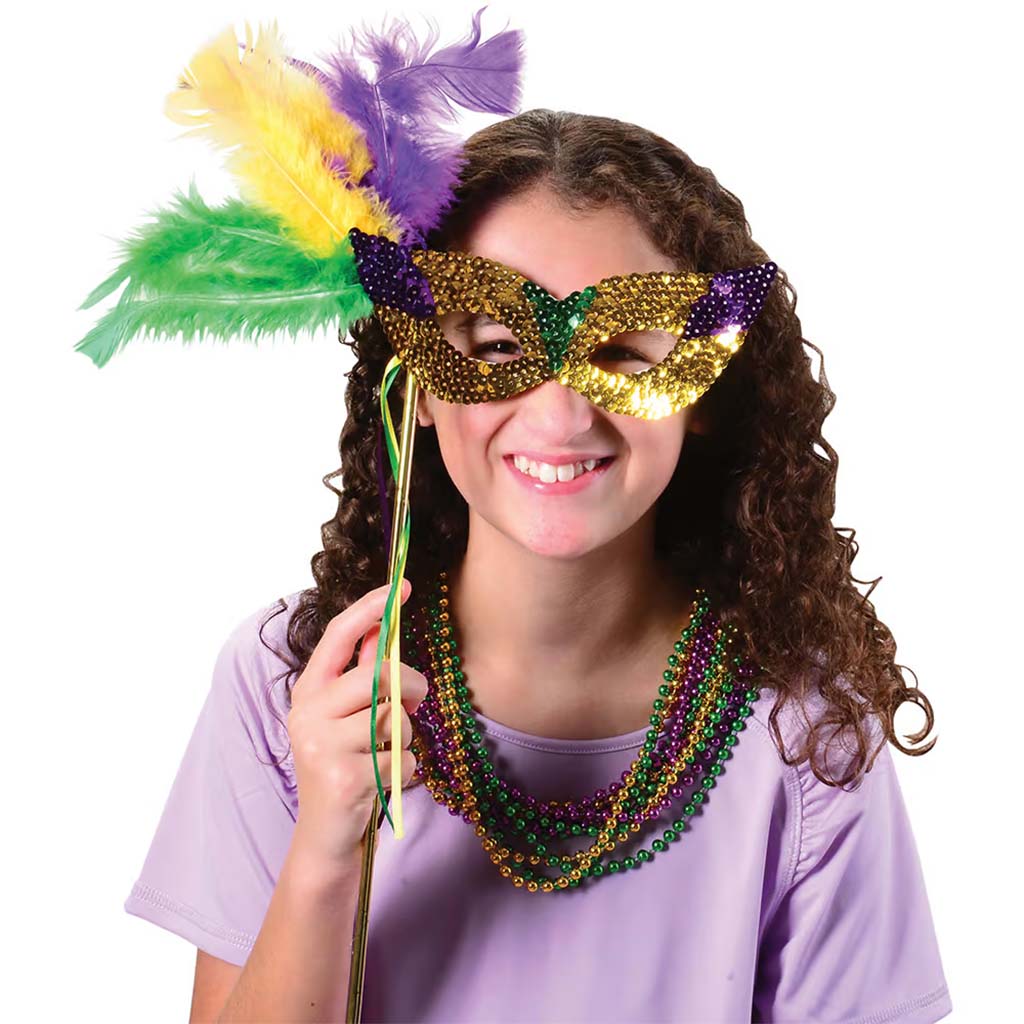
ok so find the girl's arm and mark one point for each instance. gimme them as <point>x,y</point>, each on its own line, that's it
<point>213,982</point>
<point>298,968</point>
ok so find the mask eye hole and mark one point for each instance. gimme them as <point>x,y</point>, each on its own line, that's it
<point>632,351</point>
<point>477,335</point>
<point>504,350</point>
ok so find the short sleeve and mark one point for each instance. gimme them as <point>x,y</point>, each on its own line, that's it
<point>227,823</point>
<point>851,940</point>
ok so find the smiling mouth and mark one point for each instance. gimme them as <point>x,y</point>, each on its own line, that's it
<point>547,473</point>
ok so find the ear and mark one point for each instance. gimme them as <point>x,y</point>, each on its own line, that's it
<point>424,416</point>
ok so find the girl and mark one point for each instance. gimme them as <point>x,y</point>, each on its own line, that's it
<point>785,887</point>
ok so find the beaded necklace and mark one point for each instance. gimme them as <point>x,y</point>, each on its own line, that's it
<point>679,750</point>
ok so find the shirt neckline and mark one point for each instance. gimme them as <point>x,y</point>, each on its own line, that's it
<point>602,745</point>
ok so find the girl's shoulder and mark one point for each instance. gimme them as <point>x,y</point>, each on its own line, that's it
<point>252,676</point>
<point>798,715</point>
<point>819,815</point>
<point>257,645</point>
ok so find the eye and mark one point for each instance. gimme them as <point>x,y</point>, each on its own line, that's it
<point>639,350</point>
<point>493,346</point>
<point>626,355</point>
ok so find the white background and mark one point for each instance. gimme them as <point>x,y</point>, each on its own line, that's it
<point>153,505</point>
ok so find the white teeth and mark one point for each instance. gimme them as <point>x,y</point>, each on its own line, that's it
<point>548,474</point>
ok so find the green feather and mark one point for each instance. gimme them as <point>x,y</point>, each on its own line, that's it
<point>225,271</point>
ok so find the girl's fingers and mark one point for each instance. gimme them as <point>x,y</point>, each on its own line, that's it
<point>336,646</point>
<point>368,646</point>
<point>353,692</point>
<point>358,728</point>
<point>384,767</point>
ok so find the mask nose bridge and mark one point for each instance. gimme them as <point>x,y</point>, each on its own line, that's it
<point>558,320</point>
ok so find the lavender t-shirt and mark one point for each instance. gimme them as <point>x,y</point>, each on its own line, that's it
<point>784,900</point>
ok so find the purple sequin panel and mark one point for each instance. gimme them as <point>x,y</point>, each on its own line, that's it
<point>733,300</point>
<point>389,276</point>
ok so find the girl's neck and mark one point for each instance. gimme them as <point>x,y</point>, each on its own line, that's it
<point>568,648</point>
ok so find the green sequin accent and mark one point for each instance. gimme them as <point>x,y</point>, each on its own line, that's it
<point>558,318</point>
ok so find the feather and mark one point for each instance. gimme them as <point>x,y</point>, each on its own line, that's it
<point>291,151</point>
<point>416,162</point>
<point>222,271</point>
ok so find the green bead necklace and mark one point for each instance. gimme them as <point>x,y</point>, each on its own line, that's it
<point>700,708</point>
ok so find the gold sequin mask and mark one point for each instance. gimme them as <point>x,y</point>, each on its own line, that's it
<point>641,344</point>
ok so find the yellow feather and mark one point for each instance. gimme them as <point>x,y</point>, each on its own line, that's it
<point>281,130</point>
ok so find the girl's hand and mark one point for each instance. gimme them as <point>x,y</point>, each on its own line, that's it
<point>329,728</point>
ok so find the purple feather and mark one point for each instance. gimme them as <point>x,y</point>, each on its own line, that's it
<point>417,161</point>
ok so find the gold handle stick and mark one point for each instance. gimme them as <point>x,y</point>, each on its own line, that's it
<point>357,966</point>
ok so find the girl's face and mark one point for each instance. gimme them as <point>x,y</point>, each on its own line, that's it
<point>563,252</point>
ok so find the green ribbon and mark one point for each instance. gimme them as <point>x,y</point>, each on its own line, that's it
<point>390,373</point>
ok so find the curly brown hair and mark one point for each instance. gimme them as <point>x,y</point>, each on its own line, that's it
<point>761,542</point>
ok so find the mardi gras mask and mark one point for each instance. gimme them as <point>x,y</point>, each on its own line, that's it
<point>673,333</point>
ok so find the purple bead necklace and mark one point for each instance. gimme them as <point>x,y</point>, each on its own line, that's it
<point>702,704</point>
